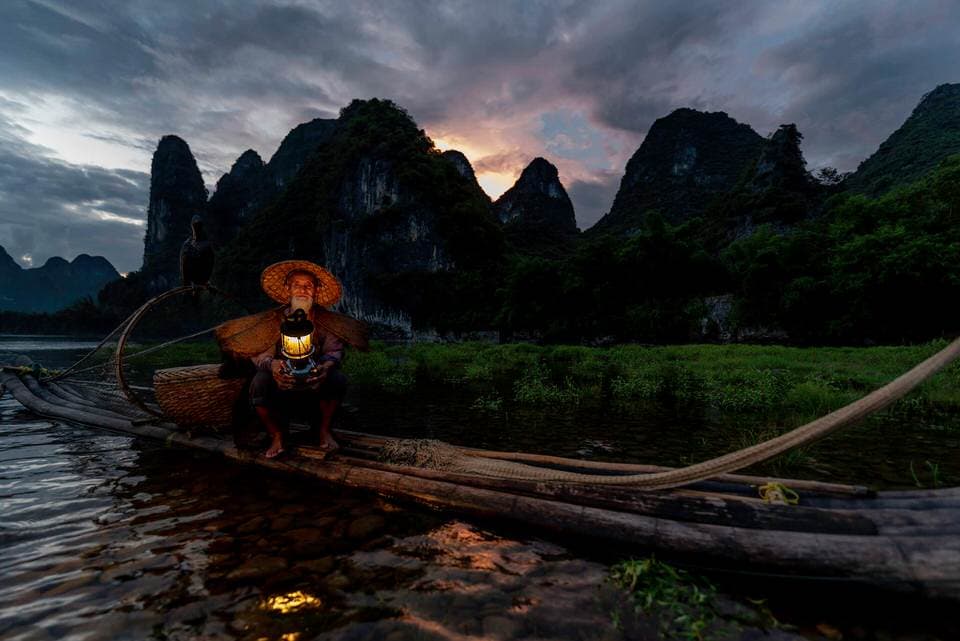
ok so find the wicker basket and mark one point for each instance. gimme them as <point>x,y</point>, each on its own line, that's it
<point>196,395</point>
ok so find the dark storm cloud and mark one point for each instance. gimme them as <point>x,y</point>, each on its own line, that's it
<point>227,76</point>
<point>643,61</point>
<point>51,208</point>
<point>857,75</point>
<point>71,48</point>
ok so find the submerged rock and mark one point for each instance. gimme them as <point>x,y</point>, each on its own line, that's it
<point>253,525</point>
<point>318,566</point>
<point>258,566</point>
<point>365,526</point>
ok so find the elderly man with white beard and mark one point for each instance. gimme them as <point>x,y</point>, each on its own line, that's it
<point>274,392</point>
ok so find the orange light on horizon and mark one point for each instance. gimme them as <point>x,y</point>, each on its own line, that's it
<point>494,183</point>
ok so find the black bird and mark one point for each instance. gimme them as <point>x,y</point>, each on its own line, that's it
<point>196,256</point>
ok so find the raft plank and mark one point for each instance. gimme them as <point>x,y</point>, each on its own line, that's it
<point>697,507</point>
<point>635,468</point>
<point>117,404</point>
<point>43,392</point>
<point>102,405</point>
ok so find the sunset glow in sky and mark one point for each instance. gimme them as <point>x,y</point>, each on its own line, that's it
<point>88,88</point>
<point>492,182</point>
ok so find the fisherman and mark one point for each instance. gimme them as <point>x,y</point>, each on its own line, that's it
<point>275,393</point>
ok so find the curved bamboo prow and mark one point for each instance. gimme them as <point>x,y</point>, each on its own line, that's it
<point>132,322</point>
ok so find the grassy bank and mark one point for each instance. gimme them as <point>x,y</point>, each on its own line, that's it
<point>773,381</point>
<point>769,380</point>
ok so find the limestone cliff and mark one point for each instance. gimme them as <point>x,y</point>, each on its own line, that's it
<point>392,218</point>
<point>776,190</point>
<point>686,160</point>
<point>177,193</point>
<point>252,184</point>
<point>536,212</point>
<point>240,193</point>
<point>929,135</point>
<point>462,164</point>
<point>297,148</point>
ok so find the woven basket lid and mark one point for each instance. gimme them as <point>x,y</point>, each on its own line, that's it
<point>274,281</point>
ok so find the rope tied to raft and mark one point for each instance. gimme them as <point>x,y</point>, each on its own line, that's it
<point>424,453</point>
<point>774,492</point>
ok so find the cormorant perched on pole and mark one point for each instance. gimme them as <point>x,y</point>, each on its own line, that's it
<point>196,256</point>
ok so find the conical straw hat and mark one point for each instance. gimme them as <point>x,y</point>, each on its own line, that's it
<point>274,281</point>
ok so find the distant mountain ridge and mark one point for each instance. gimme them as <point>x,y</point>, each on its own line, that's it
<point>774,189</point>
<point>687,158</point>
<point>407,227</point>
<point>54,285</point>
<point>381,212</point>
<point>930,134</point>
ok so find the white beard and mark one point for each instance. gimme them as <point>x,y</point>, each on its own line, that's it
<point>300,302</point>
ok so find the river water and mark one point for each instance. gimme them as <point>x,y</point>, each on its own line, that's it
<point>104,536</point>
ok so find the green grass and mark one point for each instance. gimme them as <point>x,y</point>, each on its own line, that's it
<point>932,472</point>
<point>682,603</point>
<point>487,404</point>
<point>174,355</point>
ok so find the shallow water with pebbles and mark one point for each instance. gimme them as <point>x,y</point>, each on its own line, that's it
<point>108,537</point>
<point>104,536</point>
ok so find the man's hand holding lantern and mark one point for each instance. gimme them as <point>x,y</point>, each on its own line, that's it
<point>319,375</point>
<point>285,380</point>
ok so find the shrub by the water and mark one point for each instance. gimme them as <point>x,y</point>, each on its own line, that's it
<point>535,388</point>
<point>682,603</point>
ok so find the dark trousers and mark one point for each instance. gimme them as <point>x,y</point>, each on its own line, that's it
<point>301,403</point>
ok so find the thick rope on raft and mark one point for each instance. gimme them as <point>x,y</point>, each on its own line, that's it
<point>437,453</point>
<point>425,453</point>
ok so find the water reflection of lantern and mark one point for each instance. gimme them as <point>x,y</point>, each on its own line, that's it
<point>296,343</point>
<point>291,602</point>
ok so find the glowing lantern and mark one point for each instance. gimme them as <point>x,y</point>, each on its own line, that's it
<point>296,332</point>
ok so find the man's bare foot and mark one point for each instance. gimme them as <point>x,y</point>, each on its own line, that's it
<point>275,449</point>
<point>327,443</point>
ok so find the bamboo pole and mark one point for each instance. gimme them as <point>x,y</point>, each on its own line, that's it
<point>631,468</point>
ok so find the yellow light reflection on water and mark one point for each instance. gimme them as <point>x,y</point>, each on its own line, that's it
<point>291,602</point>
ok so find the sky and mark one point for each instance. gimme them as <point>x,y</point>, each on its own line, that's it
<point>88,88</point>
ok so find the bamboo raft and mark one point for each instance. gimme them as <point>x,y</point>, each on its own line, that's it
<point>905,541</point>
